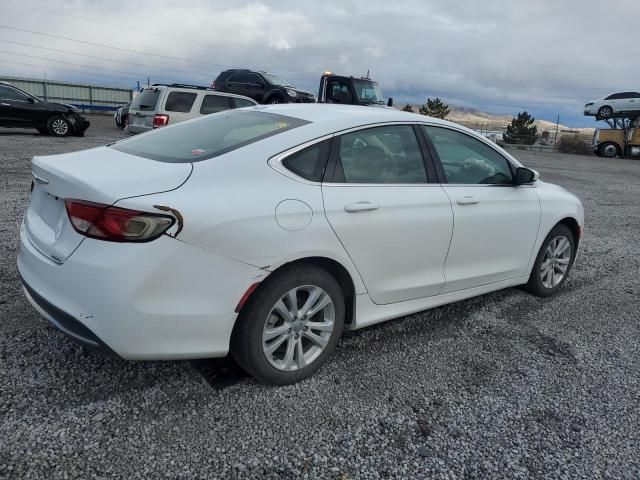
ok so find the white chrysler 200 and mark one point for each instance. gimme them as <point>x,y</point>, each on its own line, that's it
<point>264,232</point>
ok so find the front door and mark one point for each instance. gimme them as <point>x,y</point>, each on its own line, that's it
<point>394,224</point>
<point>496,222</point>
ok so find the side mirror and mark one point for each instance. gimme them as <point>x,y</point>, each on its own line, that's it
<point>525,176</point>
<point>31,100</point>
<point>390,102</point>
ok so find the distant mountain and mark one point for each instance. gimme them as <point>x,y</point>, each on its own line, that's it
<point>478,120</point>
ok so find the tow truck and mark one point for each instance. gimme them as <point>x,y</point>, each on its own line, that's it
<point>621,139</point>
<point>350,90</point>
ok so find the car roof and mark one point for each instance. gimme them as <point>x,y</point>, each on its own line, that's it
<point>339,117</point>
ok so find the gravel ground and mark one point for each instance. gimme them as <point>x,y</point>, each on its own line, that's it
<point>502,386</point>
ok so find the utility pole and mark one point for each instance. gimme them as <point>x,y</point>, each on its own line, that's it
<point>138,82</point>
<point>148,82</point>
<point>555,140</point>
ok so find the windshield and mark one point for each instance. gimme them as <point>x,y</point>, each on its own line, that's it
<point>146,100</point>
<point>208,136</point>
<point>368,91</point>
<point>277,81</point>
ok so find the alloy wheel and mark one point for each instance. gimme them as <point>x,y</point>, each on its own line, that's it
<point>298,328</point>
<point>60,127</point>
<point>555,262</point>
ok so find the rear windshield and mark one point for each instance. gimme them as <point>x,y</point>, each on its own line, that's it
<point>146,100</point>
<point>208,136</point>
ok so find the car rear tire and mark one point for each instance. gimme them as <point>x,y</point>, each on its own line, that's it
<point>290,326</point>
<point>275,100</point>
<point>608,150</point>
<point>553,263</point>
<point>605,112</point>
<point>58,126</point>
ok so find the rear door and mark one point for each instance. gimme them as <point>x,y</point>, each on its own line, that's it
<point>496,222</point>
<point>238,83</point>
<point>180,105</point>
<point>394,224</point>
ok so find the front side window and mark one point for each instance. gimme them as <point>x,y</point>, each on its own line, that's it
<point>8,93</point>
<point>368,91</point>
<point>276,81</point>
<point>389,154</point>
<point>255,79</point>
<point>208,136</point>
<point>309,163</point>
<point>180,102</point>
<point>467,160</point>
<point>214,103</point>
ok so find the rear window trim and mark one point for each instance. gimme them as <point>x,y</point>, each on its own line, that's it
<point>162,158</point>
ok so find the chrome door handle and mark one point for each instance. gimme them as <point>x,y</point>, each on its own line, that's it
<point>360,207</point>
<point>467,201</point>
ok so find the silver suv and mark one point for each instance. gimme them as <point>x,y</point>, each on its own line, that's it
<point>161,105</point>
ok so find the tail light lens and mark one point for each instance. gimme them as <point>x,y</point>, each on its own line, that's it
<point>160,120</point>
<point>114,224</point>
<point>214,85</point>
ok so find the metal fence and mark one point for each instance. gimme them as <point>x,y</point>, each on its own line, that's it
<point>89,98</point>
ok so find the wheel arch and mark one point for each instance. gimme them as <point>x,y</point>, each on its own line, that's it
<point>573,225</point>
<point>333,268</point>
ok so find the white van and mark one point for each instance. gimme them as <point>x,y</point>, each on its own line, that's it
<point>159,105</point>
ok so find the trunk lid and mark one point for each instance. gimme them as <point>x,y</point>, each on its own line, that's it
<point>101,175</point>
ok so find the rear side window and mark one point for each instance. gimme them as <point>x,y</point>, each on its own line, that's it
<point>239,78</point>
<point>146,100</point>
<point>207,137</point>
<point>241,103</point>
<point>180,102</point>
<point>309,163</point>
<point>214,103</point>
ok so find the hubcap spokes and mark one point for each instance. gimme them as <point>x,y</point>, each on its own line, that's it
<point>555,262</point>
<point>298,328</point>
<point>60,127</point>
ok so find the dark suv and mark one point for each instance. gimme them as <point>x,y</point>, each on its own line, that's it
<point>261,86</point>
<point>19,109</point>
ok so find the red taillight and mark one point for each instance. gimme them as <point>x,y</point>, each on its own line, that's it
<point>214,85</point>
<point>115,224</point>
<point>160,120</point>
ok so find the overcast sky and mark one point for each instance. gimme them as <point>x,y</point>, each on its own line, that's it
<point>545,56</point>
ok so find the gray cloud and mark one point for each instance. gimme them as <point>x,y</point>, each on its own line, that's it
<point>545,55</point>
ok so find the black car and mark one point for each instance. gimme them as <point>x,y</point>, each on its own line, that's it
<point>19,109</point>
<point>120,116</point>
<point>261,86</point>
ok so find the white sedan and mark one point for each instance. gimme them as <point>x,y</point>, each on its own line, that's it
<point>266,231</point>
<point>615,103</point>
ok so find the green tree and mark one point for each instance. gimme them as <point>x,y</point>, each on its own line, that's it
<point>407,108</point>
<point>435,108</point>
<point>522,130</point>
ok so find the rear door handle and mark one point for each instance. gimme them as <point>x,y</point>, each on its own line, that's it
<point>467,201</point>
<point>360,207</point>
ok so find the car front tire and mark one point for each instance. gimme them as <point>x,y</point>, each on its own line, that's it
<point>553,263</point>
<point>290,326</point>
<point>58,126</point>
<point>605,112</point>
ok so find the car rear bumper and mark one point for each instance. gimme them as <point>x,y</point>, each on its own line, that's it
<point>160,300</point>
<point>134,129</point>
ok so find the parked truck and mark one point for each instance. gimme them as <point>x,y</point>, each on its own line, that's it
<point>611,142</point>
<point>350,90</point>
